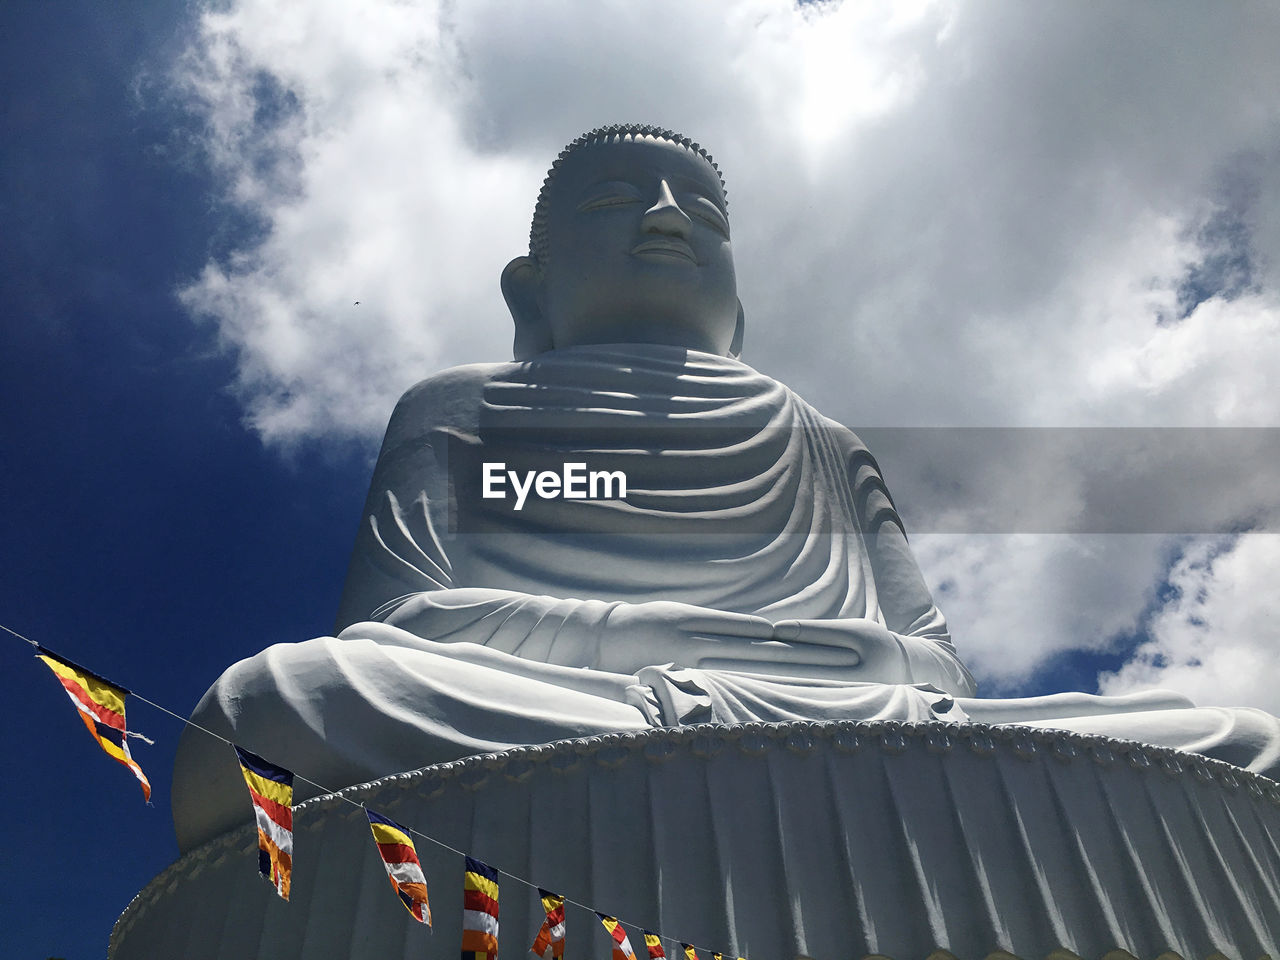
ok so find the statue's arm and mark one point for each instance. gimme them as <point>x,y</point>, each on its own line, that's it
<point>398,548</point>
<point>612,636</point>
<point>918,646</point>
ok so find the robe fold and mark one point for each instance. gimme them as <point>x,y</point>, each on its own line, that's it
<point>469,626</point>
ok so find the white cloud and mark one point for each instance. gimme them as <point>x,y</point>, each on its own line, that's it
<point>1214,368</point>
<point>945,213</point>
<point>1014,600</point>
<point>983,209</point>
<point>1216,639</point>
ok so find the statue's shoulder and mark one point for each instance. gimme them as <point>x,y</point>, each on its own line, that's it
<point>866,480</point>
<point>859,462</point>
<point>853,451</point>
<point>450,398</point>
<point>457,384</point>
<point>850,443</point>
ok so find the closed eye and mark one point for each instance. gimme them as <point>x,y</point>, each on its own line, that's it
<point>708,213</point>
<point>596,203</point>
<point>610,195</point>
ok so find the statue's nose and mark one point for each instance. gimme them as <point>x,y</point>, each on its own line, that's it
<point>665,216</point>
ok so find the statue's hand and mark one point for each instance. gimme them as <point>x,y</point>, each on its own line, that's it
<point>663,631</point>
<point>860,649</point>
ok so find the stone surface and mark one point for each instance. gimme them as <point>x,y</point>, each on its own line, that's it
<point>756,570</point>
<point>829,840</point>
<point>713,634</point>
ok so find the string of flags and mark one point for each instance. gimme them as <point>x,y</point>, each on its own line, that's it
<point>101,705</point>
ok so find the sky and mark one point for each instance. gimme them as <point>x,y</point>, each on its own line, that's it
<point>947,216</point>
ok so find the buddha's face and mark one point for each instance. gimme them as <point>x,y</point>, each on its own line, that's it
<point>638,249</point>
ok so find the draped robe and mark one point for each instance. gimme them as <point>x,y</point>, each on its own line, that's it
<point>468,626</point>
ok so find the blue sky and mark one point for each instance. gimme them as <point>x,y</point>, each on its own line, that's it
<point>943,215</point>
<point>145,532</point>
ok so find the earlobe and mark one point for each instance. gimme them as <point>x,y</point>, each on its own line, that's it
<point>521,284</point>
<point>735,348</point>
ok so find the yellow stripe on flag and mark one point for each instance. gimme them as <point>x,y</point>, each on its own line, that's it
<point>281,793</point>
<point>386,834</point>
<point>103,694</point>
<point>473,881</point>
<point>111,750</point>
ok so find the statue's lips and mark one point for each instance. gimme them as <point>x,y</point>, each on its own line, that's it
<point>665,247</point>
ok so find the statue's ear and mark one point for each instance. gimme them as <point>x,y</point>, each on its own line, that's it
<point>735,348</point>
<point>521,286</point>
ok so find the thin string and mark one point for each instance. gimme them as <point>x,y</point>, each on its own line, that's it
<point>338,794</point>
<point>19,636</point>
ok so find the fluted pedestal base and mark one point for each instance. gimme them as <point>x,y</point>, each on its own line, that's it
<point>769,841</point>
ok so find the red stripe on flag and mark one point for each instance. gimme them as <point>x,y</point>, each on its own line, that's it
<point>81,696</point>
<point>278,812</point>
<point>482,902</point>
<point>398,853</point>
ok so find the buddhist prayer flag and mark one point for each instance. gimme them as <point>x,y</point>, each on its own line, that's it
<point>400,857</point>
<point>622,949</point>
<point>101,706</point>
<point>479,911</point>
<point>689,952</point>
<point>654,944</point>
<point>271,790</point>
<point>552,932</point>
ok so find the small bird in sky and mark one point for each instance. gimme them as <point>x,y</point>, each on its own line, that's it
<point>357,303</point>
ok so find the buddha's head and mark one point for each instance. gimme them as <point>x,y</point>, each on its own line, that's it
<point>630,244</point>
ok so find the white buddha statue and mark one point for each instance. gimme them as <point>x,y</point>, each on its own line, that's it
<point>755,570</point>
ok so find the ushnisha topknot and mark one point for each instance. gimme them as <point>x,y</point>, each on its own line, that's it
<point>614,132</point>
